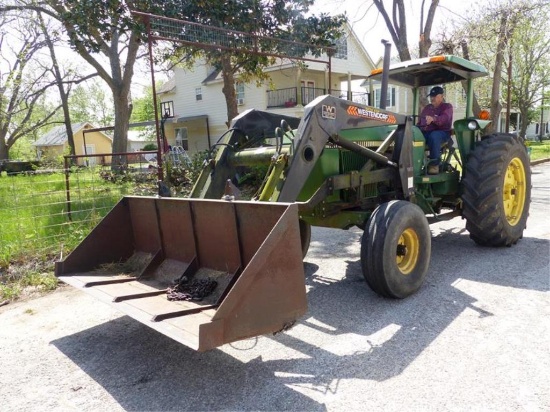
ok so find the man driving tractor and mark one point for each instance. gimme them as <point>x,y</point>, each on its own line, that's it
<point>436,122</point>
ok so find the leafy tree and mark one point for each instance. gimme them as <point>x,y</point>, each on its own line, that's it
<point>23,108</point>
<point>91,102</point>
<point>530,65</point>
<point>101,31</point>
<point>144,110</point>
<point>488,37</point>
<point>285,20</point>
<point>64,81</point>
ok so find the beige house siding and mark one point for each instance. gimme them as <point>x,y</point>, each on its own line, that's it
<point>57,144</point>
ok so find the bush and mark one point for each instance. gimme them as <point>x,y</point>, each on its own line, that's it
<point>149,147</point>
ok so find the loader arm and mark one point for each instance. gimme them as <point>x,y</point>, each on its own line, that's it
<point>323,121</point>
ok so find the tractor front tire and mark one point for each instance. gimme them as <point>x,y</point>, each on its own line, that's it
<point>497,190</point>
<point>396,249</point>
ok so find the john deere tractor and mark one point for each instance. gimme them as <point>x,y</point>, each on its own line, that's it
<point>343,164</point>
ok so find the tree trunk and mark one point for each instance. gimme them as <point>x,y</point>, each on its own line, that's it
<point>524,112</point>
<point>425,41</point>
<point>121,79</point>
<point>397,26</point>
<point>476,108</point>
<point>229,88</point>
<point>123,111</point>
<point>60,86</point>
<point>496,105</point>
<point>4,149</point>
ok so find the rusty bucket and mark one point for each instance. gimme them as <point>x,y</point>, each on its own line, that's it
<point>146,249</point>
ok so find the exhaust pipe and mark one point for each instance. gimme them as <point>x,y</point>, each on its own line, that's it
<point>385,74</point>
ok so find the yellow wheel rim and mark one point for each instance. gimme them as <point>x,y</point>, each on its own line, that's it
<point>408,249</point>
<point>514,191</point>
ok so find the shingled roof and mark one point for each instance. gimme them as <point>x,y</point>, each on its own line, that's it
<point>58,135</point>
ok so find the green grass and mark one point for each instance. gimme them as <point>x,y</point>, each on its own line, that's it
<point>34,210</point>
<point>25,278</point>
<point>39,224</point>
<point>539,150</point>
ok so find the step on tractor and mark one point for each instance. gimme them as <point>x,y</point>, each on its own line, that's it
<point>212,269</point>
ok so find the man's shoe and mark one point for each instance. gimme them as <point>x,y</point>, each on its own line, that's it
<point>433,170</point>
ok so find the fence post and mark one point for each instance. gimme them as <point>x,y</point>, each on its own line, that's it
<point>67,187</point>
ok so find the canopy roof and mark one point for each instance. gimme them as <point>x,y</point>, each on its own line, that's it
<point>430,71</point>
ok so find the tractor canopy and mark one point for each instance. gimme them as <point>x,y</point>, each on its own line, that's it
<point>433,70</point>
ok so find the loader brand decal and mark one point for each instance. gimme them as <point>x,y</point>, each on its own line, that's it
<point>328,112</point>
<point>371,114</point>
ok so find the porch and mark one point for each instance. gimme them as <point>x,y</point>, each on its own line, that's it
<point>288,97</point>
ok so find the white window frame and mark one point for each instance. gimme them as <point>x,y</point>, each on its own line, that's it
<point>308,88</point>
<point>391,98</point>
<point>89,149</point>
<point>198,93</point>
<point>341,48</point>
<point>184,142</point>
<point>239,91</point>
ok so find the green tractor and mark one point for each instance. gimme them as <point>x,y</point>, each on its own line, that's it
<point>348,165</point>
<point>341,165</point>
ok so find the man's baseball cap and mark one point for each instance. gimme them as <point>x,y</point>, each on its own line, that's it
<point>435,91</point>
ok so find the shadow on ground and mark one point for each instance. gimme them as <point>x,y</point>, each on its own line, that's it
<point>144,370</point>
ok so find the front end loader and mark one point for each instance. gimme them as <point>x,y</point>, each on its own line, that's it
<point>213,269</point>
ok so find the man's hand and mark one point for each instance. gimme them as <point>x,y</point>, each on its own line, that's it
<point>429,120</point>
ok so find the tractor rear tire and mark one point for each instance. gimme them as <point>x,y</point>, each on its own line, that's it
<point>396,249</point>
<point>305,236</point>
<point>497,190</point>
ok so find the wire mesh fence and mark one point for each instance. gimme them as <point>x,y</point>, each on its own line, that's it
<point>203,36</point>
<point>48,212</point>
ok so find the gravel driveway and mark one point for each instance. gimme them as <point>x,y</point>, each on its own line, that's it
<point>475,337</point>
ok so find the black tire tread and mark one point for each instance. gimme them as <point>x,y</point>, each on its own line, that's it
<point>482,187</point>
<point>376,270</point>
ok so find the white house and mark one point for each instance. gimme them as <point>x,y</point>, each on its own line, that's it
<point>137,139</point>
<point>195,100</point>
<point>534,131</point>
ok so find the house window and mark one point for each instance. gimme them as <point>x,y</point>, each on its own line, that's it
<point>239,89</point>
<point>167,109</point>
<point>89,149</point>
<point>341,48</point>
<point>181,138</point>
<point>198,93</point>
<point>390,101</point>
<point>308,91</point>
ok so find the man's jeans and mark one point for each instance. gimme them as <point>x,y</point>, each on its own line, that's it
<point>434,140</point>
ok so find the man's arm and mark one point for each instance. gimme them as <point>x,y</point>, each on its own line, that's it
<point>423,118</point>
<point>444,120</point>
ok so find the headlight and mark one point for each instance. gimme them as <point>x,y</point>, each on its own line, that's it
<point>472,125</point>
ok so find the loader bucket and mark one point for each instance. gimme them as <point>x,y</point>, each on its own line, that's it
<point>145,246</point>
